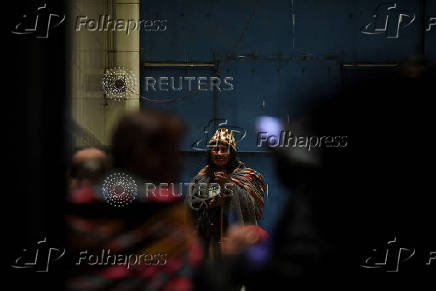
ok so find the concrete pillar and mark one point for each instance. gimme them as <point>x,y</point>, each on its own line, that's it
<point>94,116</point>
<point>123,51</point>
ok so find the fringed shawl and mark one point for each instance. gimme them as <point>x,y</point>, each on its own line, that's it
<point>246,197</point>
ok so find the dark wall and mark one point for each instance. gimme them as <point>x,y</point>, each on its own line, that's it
<point>34,172</point>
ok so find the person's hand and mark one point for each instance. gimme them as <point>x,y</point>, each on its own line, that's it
<point>216,201</point>
<point>239,238</point>
<point>222,178</point>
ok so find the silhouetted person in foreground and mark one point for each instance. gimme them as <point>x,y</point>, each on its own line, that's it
<point>88,167</point>
<point>147,244</point>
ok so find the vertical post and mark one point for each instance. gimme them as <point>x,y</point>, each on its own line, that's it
<point>221,229</point>
<point>123,51</point>
<point>215,97</point>
<point>423,10</point>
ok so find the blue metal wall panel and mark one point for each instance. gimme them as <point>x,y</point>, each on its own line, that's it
<point>273,88</point>
<point>430,36</point>
<point>335,27</point>
<point>283,55</point>
<point>202,31</point>
<point>196,108</point>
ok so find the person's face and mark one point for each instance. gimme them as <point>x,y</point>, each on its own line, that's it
<point>220,155</point>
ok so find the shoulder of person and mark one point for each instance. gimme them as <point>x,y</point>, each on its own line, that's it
<point>248,171</point>
<point>201,173</point>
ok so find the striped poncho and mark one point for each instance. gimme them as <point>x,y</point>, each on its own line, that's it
<point>252,182</point>
<point>246,198</point>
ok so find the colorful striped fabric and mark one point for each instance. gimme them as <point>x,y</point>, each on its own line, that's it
<point>253,182</point>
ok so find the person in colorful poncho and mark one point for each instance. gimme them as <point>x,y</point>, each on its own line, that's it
<point>224,193</point>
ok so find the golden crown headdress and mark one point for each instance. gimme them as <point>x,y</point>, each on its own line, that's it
<point>225,136</point>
